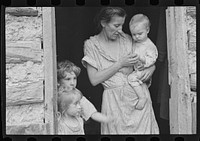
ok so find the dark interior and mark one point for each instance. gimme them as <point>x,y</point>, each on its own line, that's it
<point>73,27</point>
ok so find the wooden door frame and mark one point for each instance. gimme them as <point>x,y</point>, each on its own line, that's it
<point>49,46</point>
<point>177,46</point>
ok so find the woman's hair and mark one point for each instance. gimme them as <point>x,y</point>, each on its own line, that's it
<point>140,19</point>
<point>106,14</point>
<point>66,98</point>
<point>66,66</point>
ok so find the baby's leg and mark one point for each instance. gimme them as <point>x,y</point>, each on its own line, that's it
<point>141,97</point>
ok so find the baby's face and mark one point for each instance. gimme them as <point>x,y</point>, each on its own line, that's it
<point>69,82</point>
<point>139,32</point>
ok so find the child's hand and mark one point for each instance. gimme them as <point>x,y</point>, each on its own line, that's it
<point>109,119</point>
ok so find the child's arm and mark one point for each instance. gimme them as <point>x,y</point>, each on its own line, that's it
<point>87,108</point>
<point>101,117</point>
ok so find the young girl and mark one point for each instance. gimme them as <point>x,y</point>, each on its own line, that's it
<point>67,80</point>
<point>69,120</point>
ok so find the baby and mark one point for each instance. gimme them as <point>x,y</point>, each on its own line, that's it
<point>139,26</point>
<point>67,74</point>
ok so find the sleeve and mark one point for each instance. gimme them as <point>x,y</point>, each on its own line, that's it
<point>151,56</point>
<point>87,107</point>
<point>89,54</point>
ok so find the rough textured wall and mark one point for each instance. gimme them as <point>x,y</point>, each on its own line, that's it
<point>24,70</point>
<point>191,24</point>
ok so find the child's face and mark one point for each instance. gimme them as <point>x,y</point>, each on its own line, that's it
<point>69,82</point>
<point>139,32</point>
<point>74,108</point>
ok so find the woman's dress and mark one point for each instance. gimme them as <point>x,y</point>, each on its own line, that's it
<point>119,98</point>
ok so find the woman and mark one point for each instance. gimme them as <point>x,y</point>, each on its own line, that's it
<point>104,55</point>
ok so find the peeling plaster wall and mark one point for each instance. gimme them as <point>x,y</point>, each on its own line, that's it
<point>24,70</point>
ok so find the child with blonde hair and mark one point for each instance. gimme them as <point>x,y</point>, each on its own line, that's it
<point>139,26</point>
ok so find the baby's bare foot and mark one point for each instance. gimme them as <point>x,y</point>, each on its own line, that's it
<point>141,103</point>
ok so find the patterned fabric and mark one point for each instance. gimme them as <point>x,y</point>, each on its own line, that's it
<point>119,99</point>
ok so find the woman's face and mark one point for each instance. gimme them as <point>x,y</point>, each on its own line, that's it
<point>114,28</point>
<point>69,82</point>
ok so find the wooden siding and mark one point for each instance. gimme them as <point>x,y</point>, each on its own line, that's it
<point>180,101</point>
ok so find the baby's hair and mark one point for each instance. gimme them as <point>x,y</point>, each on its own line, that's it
<point>139,19</point>
<point>66,66</point>
<point>66,98</point>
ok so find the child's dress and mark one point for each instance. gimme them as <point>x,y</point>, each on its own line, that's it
<point>65,129</point>
<point>147,51</point>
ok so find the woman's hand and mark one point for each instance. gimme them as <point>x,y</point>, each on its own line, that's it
<point>128,60</point>
<point>147,73</point>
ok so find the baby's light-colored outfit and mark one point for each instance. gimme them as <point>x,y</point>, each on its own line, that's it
<point>148,52</point>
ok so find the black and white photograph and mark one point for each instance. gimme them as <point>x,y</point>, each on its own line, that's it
<point>109,70</point>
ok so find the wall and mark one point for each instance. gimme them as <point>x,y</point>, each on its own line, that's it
<point>24,71</point>
<point>191,25</point>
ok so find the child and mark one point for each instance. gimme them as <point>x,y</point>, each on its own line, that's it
<point>67,74</point>
<point>70,121</point>
<point>145,49</point>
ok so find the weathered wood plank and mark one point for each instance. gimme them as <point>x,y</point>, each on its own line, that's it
<point>24,44</point>
<point>21,11</point>
<point>26,94</point>
<point>20,54</point>
<point>25,114</point>
<point>49,42</point>
<point>194,112</point>
<point>27,129</point>
<point>172,67</point>
<point>180,102</point>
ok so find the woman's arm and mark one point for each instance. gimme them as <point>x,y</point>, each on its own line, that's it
<point>97,77</point>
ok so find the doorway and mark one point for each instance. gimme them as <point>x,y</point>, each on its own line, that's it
<point>76,24</point>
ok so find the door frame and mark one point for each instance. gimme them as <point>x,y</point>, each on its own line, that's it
<point>177,46</point>
<point>50,61</point>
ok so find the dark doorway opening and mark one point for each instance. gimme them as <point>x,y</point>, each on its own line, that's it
<point>76,24</point>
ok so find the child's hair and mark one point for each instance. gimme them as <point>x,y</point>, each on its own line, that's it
<point>66,98</point>
<point>66,66</point>
<point>140,19</point>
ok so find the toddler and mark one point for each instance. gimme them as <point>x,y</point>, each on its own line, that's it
<point>139,26</point>
<point>69,108</point>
